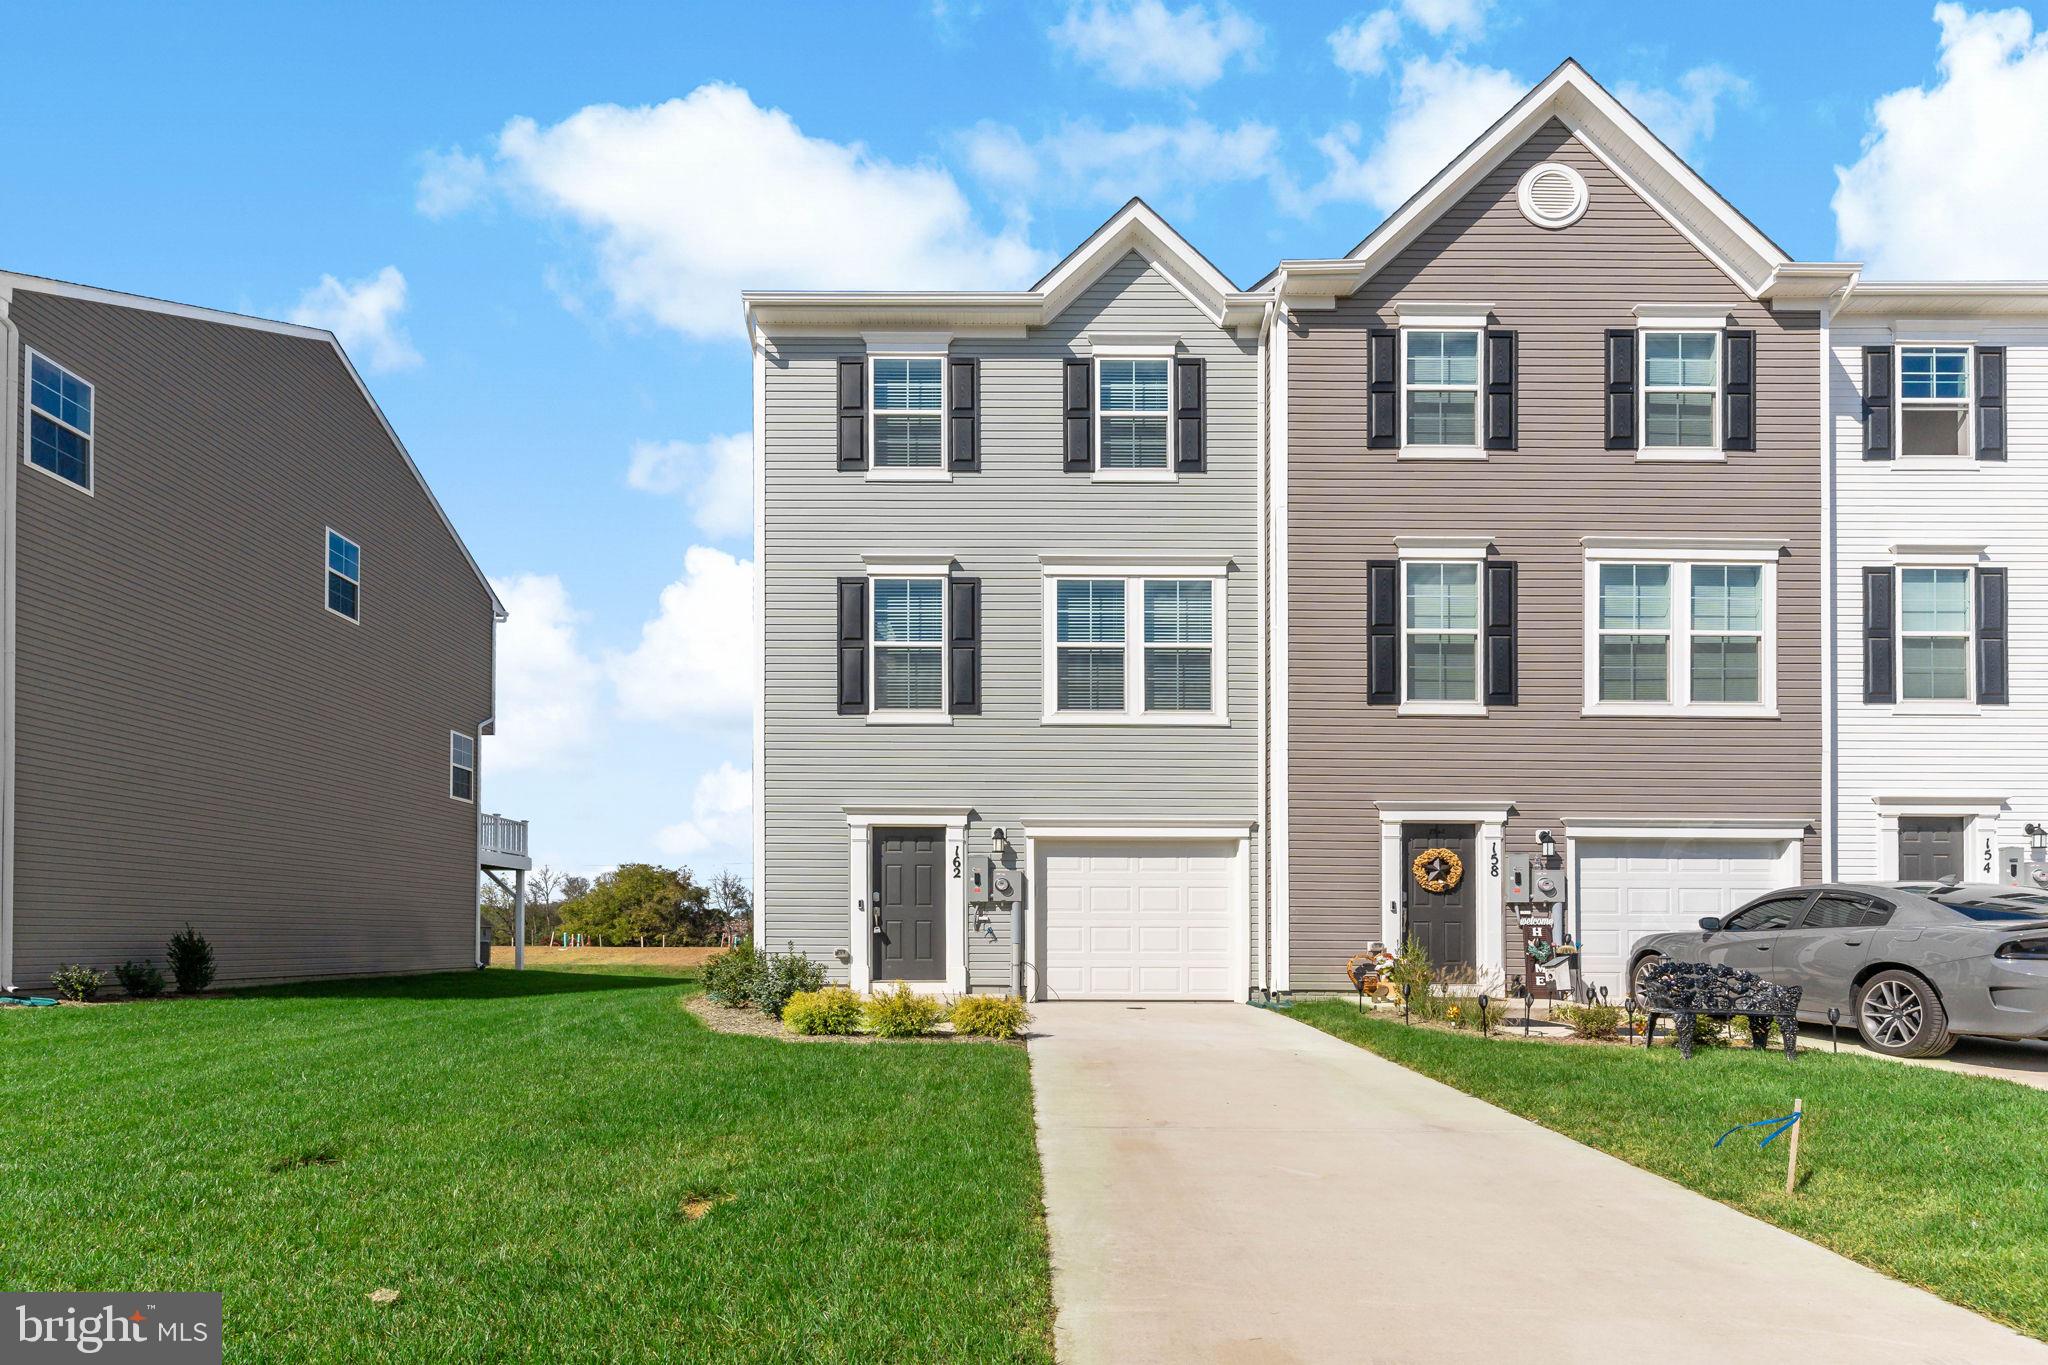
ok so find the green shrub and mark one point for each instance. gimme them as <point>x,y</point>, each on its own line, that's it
<point>191,958</point>
<point>781,977</point>
<point>903,1013</point>
<point>730,978</point>
<point>77,981</point>
<point>1410,974</point>
<point>834,1010</point>
<point>1589,1021</point>
<point>989,1016</point>
<point>140,979</point>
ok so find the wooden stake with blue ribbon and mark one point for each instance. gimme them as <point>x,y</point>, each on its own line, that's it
<point>1779,1126</point>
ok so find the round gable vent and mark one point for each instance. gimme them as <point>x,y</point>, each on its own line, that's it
<point>1552,196</point>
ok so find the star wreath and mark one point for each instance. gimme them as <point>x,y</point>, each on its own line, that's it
<point>1437,869</point>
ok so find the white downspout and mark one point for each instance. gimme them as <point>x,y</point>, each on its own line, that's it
<point>11,406</point>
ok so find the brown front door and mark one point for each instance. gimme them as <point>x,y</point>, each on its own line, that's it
<point>1930,849</point>
<point>1444,921</point>
<point>910,904</point>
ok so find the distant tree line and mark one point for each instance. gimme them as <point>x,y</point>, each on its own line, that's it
<point>640,904</point>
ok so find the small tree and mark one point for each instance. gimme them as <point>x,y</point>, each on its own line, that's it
<point>191,958</point>
<point>734,906</point>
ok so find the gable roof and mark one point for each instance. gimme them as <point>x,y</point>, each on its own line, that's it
<point>10,281</point>
<point>1617,137</point>
<point>1134,227</point>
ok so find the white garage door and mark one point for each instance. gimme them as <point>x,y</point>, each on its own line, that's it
<point>1630,888</point>
<point>1138,920</point>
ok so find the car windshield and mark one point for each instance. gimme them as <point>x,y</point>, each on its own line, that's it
<point>2012,907</point>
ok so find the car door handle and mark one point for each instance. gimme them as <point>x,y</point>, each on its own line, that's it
<point>1852,943</point>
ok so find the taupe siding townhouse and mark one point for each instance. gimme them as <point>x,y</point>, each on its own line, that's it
<point>198,735</point>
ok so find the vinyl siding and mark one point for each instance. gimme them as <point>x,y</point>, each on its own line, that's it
<point>1345,505</point>
<point>1992,751</point>
<point>1009,767</point>
<point>197,738</point>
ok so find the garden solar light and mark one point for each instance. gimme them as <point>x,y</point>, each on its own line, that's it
<point>1834,1026</point>
<point>1629,1004</point>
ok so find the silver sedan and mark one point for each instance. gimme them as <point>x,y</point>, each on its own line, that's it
<point>1914,964</point>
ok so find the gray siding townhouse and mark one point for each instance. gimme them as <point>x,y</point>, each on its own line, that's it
<point>248,657</point>
<point>1010,606</point>
<point>1548,559</point>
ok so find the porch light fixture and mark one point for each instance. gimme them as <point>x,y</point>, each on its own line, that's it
<point>999,840</point>
<point>2037,835</point>
<point>1548,844</point>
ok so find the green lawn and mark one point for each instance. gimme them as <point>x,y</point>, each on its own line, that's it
<point>513,1153</point>
<point>1932,1177</point>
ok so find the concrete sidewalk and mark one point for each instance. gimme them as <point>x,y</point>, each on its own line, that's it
<point>1224,1184</point>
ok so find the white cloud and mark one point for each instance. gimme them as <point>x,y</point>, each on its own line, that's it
<point>1360,46</point>
<point>694,199</point>
<point>695,659</point>
<point>547,686</point>
<point>716,477</point>
<point>1141,44</point>
<point>1466,17</point>
<point>998,155</point>
<point>1684,117</point>
<point>721,817</point>
<point>1947,185</point>
<point>450,182</point>
<point>1084,161</point>
<point>1440,105</point>
<point>364,315</point>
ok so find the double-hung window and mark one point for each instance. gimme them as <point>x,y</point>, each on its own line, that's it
<point>1089,618</point>
<point>907,394</point>
<point>1132,408</point>
<point>461,766</point>
<point>1934,634</point>
<point>1634,618</point>
<point>1727,633</point>
<point>1180,673</point>
<point>1442,388</point>
<point>909,645</point>
<point>344,576</point>
<point>1440,629</point>
<point>59,422</point>
<point>1134,646</point>
<point>1668,632</point>
<point>1934,400</point>
<point>1681,390</point>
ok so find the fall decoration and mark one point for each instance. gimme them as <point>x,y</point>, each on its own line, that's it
<point>1437,869</point>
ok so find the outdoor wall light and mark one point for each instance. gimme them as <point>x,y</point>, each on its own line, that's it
<point>2037,835</point>
<point>999,840</point>
<point>1545,842</point>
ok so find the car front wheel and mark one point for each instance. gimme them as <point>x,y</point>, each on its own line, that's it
<point>1899,1015</point>
<point>1643,965</point>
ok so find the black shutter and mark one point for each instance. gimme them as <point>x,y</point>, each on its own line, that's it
<point>1502,687</point>
<point>853,412</point>
<point>963,413</point>
<point>1877,402</point>
<point>1738,368</point>
<point>1188,380</point>
<point>963,646</point>
<point>1621,388</point>
<point>1079,396</point>
<point>1500,390</point>
<point>1383,390</point>
<point>853,646</point>
<point>1991,402</point>
<point>1879,665</point>
<point>1383,632</point>
<point>1991,665</point>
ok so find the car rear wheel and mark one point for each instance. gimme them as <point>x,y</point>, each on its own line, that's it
<point>1899,1015</point>
<point>1635,977</point>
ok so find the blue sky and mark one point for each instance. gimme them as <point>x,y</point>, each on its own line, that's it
<point>529,224</point>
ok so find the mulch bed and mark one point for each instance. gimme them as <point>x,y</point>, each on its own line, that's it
<point>719,1019</point>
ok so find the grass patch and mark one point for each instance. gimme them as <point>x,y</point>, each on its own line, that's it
<point>549,1165</point>
<point>1932,1177</point>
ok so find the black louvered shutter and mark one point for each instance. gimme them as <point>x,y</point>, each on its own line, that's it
<point>1500,390</point>
<point>963,646</point>
<point>1383,390</point>
<point>1991,402</point>
<point>1738,403</point>
<point>1078,394</point>
<point>853,412</point>
<point>1992,689</point>
<point>1621,388</point>
<point>1880,667</point>
<point>1188,451</point>
<point>853,646</point>
<point>1502,688</point>
<point>1383,632</point>
<point>963,414</point>
<point>1877,402</point>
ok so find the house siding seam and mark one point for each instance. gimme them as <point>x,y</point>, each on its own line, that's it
<point>197,739</point>
<point>1006,765</point>
<point>1345,504</point>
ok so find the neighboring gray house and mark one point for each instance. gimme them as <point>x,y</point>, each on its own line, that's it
<point>249,658</point>
<point>1009,549</point>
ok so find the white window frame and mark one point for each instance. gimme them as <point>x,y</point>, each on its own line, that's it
<point>1967,455</point>
<point>328,570</point>
<point>890,346</point>
<point>29,411</point>
<point>1135,574</point>
<point>1716,327</point>
<point>1164,349</point>
<point>455,767</point>
<point>930,568</point>
<point>1683,555</point>
<point>1429,549</point>
<point>1410,449</point>
<point>1968,558</point>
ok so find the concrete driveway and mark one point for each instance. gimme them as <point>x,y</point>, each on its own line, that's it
<point>1224,1184</point>
<point>2022,1063</point>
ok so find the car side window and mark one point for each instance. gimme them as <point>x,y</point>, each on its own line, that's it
<point>1847,912</point>
<point>1780,912</point>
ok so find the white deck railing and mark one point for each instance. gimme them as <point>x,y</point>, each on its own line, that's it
<point>496,834</point>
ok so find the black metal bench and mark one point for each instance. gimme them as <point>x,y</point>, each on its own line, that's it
<point>1688,990</point>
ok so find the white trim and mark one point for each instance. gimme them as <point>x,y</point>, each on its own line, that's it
<point>327,570</point>
<point>1918,341</point>
<point>1279,832</point>
<point>454,767</point>
<point>1489,907</point>
<point>913,569</point>
<point>907,565</point>
<point>1413,450</point>
<point>12,374</point>
<point>1132,346</point>
<point>1256,927</point>
<point>29,356</point>
<point>1680,317</point>
<point>1443,547</point>
<point>1130,565</point>
<point>1525,196</point>
<point>1831,703</point>
<point>906,345</point>
<point>861,822</point>
<point>760,642</point>
<point>941,470</point>
<point>1444,317</point>
<point>1167,472</point>
<point>1716,394</point>
<point>1711,549</point>
<point>1678,637</point>
<point>1134,645</point>
<point>907,474</point>
<point>1474,705</point>
<point>1979,813</point>
<point>1967,703</point>
<point>1957,555</point>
